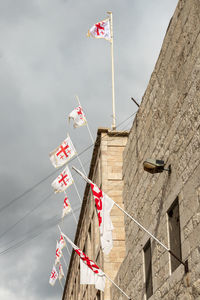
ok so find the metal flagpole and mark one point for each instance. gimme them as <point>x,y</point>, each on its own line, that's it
<point>61,284</point>
<point>68,250</point>
<point>77,192</point>
<point>92,139</point>
<point>64,261</point>
<point>72,211</point>
<point>117,286</point>
<point>81,164</point>
<point>159,242</point>
<point>73,245</point>
<point>112,62</point>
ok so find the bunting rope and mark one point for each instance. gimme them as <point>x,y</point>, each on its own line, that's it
<point>34,232</point>
<point>29,190</point>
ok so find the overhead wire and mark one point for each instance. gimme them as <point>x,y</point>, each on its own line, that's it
<point>34,233</point>
<point>28,213</point>
<point>52,173</point>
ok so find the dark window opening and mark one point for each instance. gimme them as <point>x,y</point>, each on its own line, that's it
<point>174,234</point>
<point>148,270</point>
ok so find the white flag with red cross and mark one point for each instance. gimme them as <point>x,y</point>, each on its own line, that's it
<point>61,273</point>
<point>53,276</point>
<point>78,117</point>
<point>58,253</point>
<point>90,273</point>
<point>66,207</point>
<point>104,205</point>
<point>62,243</point>
<point>63,181</point>
<point>100,30</point>
<point>62,154</point>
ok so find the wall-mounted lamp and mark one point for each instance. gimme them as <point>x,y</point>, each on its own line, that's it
<point>155,166</point>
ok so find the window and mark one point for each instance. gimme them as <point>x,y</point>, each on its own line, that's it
<point>174,234</point>
<point>148,270</point>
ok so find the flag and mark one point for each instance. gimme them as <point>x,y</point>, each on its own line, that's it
<point>63,181</point>
<point>104,205</point>
<point>100,30</point>
<point>53,276</point>
<point>78,116</point>
<point>66,207</point>
<point>89,277</point>
<point>90,272</point>
<point>61,273</point>
<point>62,243</point>
<point>62,154</point>
<point>58,253</point>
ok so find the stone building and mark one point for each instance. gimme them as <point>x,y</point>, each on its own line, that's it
<point>166,127</point>
<point>106,172</point>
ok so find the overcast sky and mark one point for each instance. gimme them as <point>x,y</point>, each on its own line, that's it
<point>45,60</point>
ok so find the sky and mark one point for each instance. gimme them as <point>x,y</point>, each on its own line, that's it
<point>45,61</point>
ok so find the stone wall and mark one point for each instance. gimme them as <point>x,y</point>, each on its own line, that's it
<point>167,126</point>
<point>106,172</point>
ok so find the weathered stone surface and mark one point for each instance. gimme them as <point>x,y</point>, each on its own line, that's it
<point>106,171</point>
<point>167,126</point>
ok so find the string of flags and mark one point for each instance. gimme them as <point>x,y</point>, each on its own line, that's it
<point>60,157</point>
<point>90,273</point>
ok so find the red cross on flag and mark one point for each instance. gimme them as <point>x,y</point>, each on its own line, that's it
<point>62,154</point>
<point>100,30</point>
<point>53,276</point>
<point>58,253</point>
<point>66,207</point>
<point>63,181</point>
<point>89,271</point>
<point>78,117</point>
<point>104,205</point>
<point>62,243</point>
<point>61,273</point>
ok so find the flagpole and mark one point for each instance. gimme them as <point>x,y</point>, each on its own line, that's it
<point>61,285</point>
<point>142,227</point>
<point>117,286</point>
<point>112,63</point>
<point>77,192</point>
<point>90,134</point>
<point>73,245</point>
<point>64,260</point>
<point>72,210</point>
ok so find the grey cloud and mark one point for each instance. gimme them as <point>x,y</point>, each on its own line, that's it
<point>45,60</point>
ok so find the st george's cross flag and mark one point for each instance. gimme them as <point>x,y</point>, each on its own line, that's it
<point>53,276</point>
<point>62,243</point>
<point>63,181</point>
<point>63,153</point>
<point>78,117</point>
<point>100,30</point>
<point>61,273</point>
<point>104,205</point>
<point>89,271</point>
<point>66,207</point>
<point>58,253</point>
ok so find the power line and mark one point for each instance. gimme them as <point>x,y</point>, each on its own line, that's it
<point>48,176</point>
<point>28,213</point>
<point>33,233</point>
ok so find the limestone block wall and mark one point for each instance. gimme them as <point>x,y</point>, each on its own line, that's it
<point>106,172</point>
<point>167,126</point>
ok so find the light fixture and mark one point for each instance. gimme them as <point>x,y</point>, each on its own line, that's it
<point>155,166</point>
